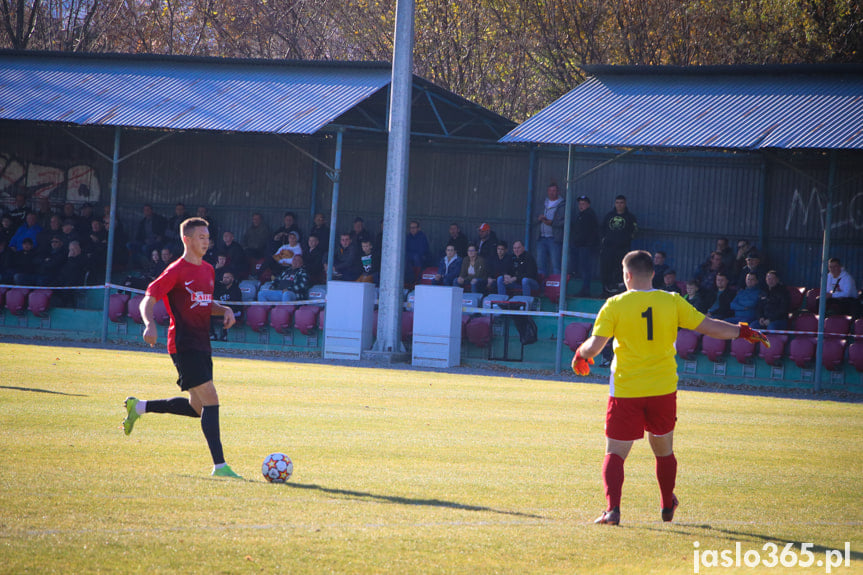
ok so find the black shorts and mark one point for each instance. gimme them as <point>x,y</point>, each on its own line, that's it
<point>194,368</point>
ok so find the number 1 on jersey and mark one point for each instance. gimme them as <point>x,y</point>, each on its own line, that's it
<point>648,315</point>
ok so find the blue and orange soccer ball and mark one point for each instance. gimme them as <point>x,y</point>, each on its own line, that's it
<point>277,468</point>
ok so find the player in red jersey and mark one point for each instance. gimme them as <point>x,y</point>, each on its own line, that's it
<point>644,323</point>
<point>186,287</point>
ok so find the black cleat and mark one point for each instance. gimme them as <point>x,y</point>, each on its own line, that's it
<point>668,514</point>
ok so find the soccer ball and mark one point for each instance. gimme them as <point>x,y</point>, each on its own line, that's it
<point>277,468</point>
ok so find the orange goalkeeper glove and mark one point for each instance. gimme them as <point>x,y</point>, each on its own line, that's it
<point>580,365</point>
<point>753,336</point>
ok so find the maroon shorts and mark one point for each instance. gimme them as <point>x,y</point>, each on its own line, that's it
<point>627,418</point>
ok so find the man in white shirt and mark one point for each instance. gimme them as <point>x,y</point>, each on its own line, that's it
<point>841,289</point>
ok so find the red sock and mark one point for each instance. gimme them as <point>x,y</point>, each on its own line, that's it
<point>666,474</point>
<point>612,479</point>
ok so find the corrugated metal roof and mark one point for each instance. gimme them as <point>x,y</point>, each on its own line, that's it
<point>717,107</point>
<point>183,93</point>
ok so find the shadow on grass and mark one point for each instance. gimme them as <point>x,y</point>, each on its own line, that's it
<point>409,501</point>
<point>35,390</point>
<point>740,535</point>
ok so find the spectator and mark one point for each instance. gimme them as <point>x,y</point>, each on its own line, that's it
<point>617,230</point>
<point>322,230</point>
<point>44,212</point>
<point>524,272</point>
<point>841,290</point>
<point>96,250</point>
<point>745,303</point>
<point>24,263</point>
<point>474,274</point>
<point>753,266</point>
<point>659,269</point>
<point>72,273</point>
<point>285,254</point>
<point>417,251</point>
<point>289,224</point>
<point>222,266</point>
<point>256,239</point>
<point>150,234</point>
<point>706,273</point>
<point>54,228</point>
<point>172,228</point>
<point>167,256</point>
<point>669,282</point>
<point>696,297</point>
<point>448,268</point>
<point>775,304</point>
<point>212,225</point>
<point>77,222</point>
<point>48,265</point>
<point>18,212</point>
<point>743,248</point>
<point>359,233</point>
<point>120,255</point>
<point>7,229</point>
<point>486,245</point>
<point>6,255</point>
<point>370,264</point>
<point>549,246</point>
<point>721,306</point>
<point>314,256</point>
<point>346,260</point>
<point>236,254</point>
<point>500,265</point>
<point>291,285</point>
<point>226,290</point>
<point>29,229</point>
<point>69,232</point>
<point>583,243</point>
<point>84,218</point>
<point>458,240</point>
<point>212,254</point>
<point>725,251</point>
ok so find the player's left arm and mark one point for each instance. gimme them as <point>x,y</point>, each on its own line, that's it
<point>218,309</point>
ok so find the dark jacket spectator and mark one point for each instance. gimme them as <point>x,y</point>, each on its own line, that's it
<point>346,264</point>
<point>322,230</point>
<point>73,271</point>
<point>417,250</point>
<point>24,264</point>
<point>151,229</point>
<point>314,257</point>
<point>449,267</point>
<point>457,239</point>
<point>486,244</point>
<point>775,303</point>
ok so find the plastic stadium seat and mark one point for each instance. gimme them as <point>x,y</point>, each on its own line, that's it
<point>575,334</point>
<point>428,275</point>
<point>490,300</point>
<point>465,319</point>
<point>16,300</point>
<point>117,305</point>
<point>687,343</point>
<point>713,348</point>
<point>471,299</point>
<point>38,301</point>
<point>479,331</point>
<point>773,355</point>
<point>134,308</point>
<point>855,355</point>
<point>256,317</point>
<point>807,322</point>
<point>812,299</point>
<point>742,350</point>
<point>281,318</point>
<point>160,313</point>
<point>306,318</point>
<point>3,291</point>
<point>833,354</point>
<point>858,328</point>
<point>837,324</point>
<point>797,297</point>
<point>552,288</point>
<point>407,326</point>
<point>801,351</point>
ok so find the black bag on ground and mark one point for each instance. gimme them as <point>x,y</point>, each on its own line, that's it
<point>527,332</point>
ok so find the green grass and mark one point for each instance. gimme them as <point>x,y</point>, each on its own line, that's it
<point>397,471</point>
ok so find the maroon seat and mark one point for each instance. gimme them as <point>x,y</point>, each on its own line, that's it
<point>160,313</point>
<point>773,355</point>
<point>479,331</point>
<point>807,322</point>
<point>833,354</point>
<point>281,318</point>
<point>797,297</point>
<point>465,319</point>
<point>117,305</point>
<point>134,308</point>
<point>742,350</point>
<point>552,287</point>
<point>575,334</point>
<point>855,355</point>
<point>407,326</point>
<point>837,324</point>
<point>687,343</point>
<point>427,276</point>
<point>801,350</point>
<point>713,348</point>
<point>38,301</point>
<point>256,317</point>
<point>306,318</point>
<point>16,300</point>
<point>812,299</point>
<point>858,328</point>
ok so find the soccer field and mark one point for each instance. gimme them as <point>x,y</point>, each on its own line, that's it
<point>403,471</point>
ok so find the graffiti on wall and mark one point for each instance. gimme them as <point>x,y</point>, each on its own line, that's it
<point>76,184</point>
<point>848,213</point>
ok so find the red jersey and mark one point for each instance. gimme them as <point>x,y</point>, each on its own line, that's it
<point>187,290</point>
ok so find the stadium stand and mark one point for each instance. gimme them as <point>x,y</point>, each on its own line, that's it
<point>282,318</point>
<point>713,348</point>
<point>801,351</point>
<point>256,317</point>
<point>773,355</point>
<point>551,287</point>
<point>797,297</point>
<point>16,300</point>
<point>742,350</point>
<point>306,318</point>
<point>833,353</point>
<point>837,324</point>
<point>39,302</point>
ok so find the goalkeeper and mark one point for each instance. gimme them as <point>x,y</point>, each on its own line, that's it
<point>643,382</point>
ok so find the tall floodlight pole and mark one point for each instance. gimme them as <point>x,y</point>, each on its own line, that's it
<point>395,201</point>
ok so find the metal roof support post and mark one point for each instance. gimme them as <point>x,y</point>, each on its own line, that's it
<point>531,176</point>
<point>389,343</point>
<point>109,264</point>
<point>336,177</point>
<point>313,204</point>
<point>564,264</point>
<point>825,255</point>
<point>762,207</point>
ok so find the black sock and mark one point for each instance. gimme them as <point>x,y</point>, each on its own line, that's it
<point>175,405</point>
<point>210,427</point>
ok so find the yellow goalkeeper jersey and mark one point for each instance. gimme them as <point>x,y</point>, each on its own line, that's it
<point>644,327</point>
